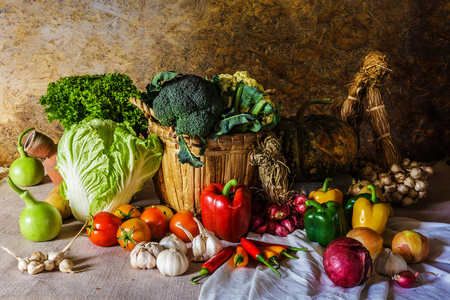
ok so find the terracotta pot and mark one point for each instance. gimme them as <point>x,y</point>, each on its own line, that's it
<point>39,145</point>
<point>49,165</point>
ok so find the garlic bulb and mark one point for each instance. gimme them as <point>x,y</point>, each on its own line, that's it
<point>35,267</point>
<point>172,262</point>
<point>388,263</point>
<point>403,183</point>
<point>144,255</point>
<point>172,241</point>
<point>205,245</point>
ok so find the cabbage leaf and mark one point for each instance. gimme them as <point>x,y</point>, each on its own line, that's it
<point>104,164</point>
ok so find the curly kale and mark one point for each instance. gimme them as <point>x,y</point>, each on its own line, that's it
<point>74,98</point>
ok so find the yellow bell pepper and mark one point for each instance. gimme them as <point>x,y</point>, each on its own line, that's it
<point>326,194</point>
<point>371,213</point>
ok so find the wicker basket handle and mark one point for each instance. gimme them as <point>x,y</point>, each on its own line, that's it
<point>143,107</point>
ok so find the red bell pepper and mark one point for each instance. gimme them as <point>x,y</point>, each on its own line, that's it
<point>227,210</point>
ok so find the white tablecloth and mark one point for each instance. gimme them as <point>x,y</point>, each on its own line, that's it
<point>305,278</point>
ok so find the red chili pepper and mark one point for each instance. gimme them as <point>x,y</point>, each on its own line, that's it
<point>265,244</point>
<point>213,263</point>
<point>254,252</point>
<point>227,210</point>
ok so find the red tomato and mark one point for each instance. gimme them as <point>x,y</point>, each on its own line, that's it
<point>127,211</point>
<point>102,229</point>
<point>132,232</point>
<point>185,218</point>
<point>157,222</point>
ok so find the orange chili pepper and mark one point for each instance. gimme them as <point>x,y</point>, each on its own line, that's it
<point>280,251</point>
<point>241,257</point>
<point>271,257</point>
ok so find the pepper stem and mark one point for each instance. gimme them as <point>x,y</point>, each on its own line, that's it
<point>373,198</point>
<point>315,204</point>
<point>296,249</point>
<point>261,259</point>
<point>227,187</point>
<point>325,184</point>
<point>203,273</point>
<point>284,253</point>
<point>238,259</point>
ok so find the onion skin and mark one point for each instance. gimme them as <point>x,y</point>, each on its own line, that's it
<point>369,238</point>
<point>411,245</point>
<point>347,262</point>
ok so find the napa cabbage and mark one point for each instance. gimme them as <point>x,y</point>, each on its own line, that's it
<point>103,164</point>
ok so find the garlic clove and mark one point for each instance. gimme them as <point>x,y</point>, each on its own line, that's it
<point>38,256</point>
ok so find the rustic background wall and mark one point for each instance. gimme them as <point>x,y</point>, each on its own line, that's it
<point>301,48</point>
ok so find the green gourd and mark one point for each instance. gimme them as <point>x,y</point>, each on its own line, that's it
<point>26,170</point>
<point>39,221</point>
<point>317,146</point>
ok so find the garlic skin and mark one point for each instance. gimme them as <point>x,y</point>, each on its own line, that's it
<point>172,262</point>
<point>23,263</point>
<point>172,241</point>
<point>144,255</point>
<point>35,267</point>
<point>56,257</point>
<point>388,263</point>
<point>206,244</point>
<point>49,265</point>
<point>38,256</point>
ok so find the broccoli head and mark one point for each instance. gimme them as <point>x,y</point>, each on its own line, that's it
<point>190,103</point>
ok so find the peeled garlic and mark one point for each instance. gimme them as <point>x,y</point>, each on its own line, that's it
<point>388,263</point>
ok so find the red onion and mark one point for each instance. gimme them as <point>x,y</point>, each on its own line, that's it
<point>288,223</point>
<point>406,279</point>
<point>347,262</point>
<point>257,220</point>
<point>281,230</point>
<point>299,203</point>
<point>271,225</point>
<point>277,212</point>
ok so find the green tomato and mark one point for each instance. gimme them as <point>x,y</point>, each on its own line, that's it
<point>26,170</point>
<point>39,220</point>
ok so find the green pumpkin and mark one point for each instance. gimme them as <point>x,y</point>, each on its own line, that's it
<point>318,146</point>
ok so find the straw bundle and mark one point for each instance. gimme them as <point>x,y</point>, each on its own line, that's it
<point>367,84</point>
<point>273,170</point>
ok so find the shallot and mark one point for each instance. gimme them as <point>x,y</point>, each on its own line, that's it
<point>406,279</point>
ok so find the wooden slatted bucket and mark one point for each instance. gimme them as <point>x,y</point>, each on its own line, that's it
<point>180,185</point>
